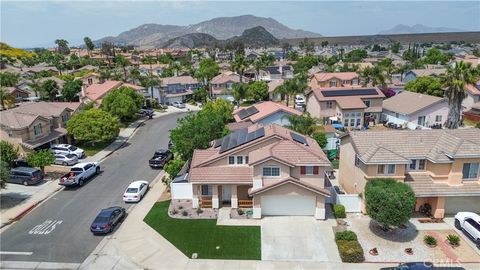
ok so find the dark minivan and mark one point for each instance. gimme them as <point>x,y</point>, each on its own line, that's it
<point>25,175</point>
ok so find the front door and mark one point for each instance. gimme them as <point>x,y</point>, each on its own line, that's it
<point>226,194</point>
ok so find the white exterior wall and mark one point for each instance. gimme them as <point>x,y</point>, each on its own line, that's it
<point>469,101</point>
<point>352,202</point>
<point>430,114</point>
<point>181,191</point>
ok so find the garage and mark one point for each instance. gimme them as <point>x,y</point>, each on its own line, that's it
<point>454,205</point>
<point>288,205</point>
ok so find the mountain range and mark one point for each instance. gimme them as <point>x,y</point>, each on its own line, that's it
<point>222,28</point>
<point>417,29</point>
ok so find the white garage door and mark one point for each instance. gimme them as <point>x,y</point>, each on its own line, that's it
<point>284,205</point>
<point>454,205</point>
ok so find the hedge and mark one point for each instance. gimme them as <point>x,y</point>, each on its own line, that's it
<point>339,211</point>
<point>346,235</point>
<point>350,251</point>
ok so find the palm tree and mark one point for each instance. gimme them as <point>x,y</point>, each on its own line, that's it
<point>374,76</point>
<point>238,65</point>
<point>291,87</point>
<point>455,82</point>
<point>151,81</point>
<point>122,62</point>
<point>135,74</point>
<point>34,85</point>
<point>89,45</point>
<point>239,92</point>
<point>304,124</point>
<point>149,60</point>
<point>6,98</point>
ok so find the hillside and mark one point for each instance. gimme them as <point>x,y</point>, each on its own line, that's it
<point>8,51</point>
<point>156,35</point>
<point>195,40</point>
<point>416,29</point>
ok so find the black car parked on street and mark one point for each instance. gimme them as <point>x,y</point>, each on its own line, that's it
<point>160,158</point>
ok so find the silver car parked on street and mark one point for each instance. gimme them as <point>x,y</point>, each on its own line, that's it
<point>66,160</point>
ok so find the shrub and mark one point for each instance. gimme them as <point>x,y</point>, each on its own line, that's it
<point>350,251</point>
<point>425,209</point>
<point>339,211</point>
<point>453,239</point>
<point>184,213</point>
<point>240,212</point>
<point>430,240</point>
<point>199,211</point>
<point>180,207</point>
<point>174,211</point>
<point>345,236</point>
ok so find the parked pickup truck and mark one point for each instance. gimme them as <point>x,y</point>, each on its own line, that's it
<point>79,173</point>
<point>160,158</point>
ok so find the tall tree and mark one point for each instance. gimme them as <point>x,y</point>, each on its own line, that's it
<point>108,49</point>
<point>373,75</point>
<point>6,98</point>
<point>304,124</point>
<point>9,78</point>
<point>207,69</point>
<point>49,89</point>
<point>149,82</point>
<point>239,64</point>
<point>62,46</point>
<point>426,85</point>
<point>70,89</point>
<point>258,90</point>
<point>122,62</point>
<point>123,103</point>
<point>455,82</point>
<point>93,125</point>
<point>239,92</point>
<point>35,86</point>
<point>89,44</point>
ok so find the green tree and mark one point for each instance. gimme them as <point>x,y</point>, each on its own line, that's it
<point>307,46</point>
<point>8,152</point>
<point>239,64</point>
<point>88,44</point>
<point>207,69</point>
<point>70,89</point>
<point>41,158</point>
<point>200,95</point>
<point>93,125</point>
<point>149,82</point>
<point>62,46</point>
<point>9,79</point>
<point>220,107</point>
<point>49,89</point>
<point>355,55</point>
<point>123,102</point>
<point>258,90</point>
<point>395,47</point>
<point>4,173</point>
<point>292,55</point>
<point>6,98</point>
<point>320,138</point>
<point>122,62</point>
<point>389,202</point>
<point>436,56</point>
<point>373,75</point>
<point>240,92</point>
<point>426,85</point>
<point>304,124</point>
<point>305,63</point>
<point>173,167</point>
<point>455,82</point>
<point>196,131</point>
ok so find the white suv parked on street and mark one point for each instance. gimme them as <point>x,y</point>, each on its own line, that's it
<point>469,223</point>
<point>65,149</point>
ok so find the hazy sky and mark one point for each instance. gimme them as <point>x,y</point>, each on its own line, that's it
<point>39,23</point>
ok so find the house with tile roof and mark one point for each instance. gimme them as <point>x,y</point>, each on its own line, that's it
<point>222,84</point>
<point>265,113</point>
<point>268,168</point>
<point>334,79</point>
<point>36,125</point>
<point>415,110</point>
<point>97,91</point>
<point>275,73</point>
<point>441,165</point>
<point>176,88</point>
<point>415,73</point>
<point>352,107</point>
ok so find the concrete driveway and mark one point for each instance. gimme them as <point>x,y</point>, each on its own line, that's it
<point>298,239</point>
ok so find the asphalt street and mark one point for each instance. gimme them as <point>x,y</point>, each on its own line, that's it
<point>58,230</point>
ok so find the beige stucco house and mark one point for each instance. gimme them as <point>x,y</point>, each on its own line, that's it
<point>268,168</point>
<point>36,125</point>
<point>441,166</point>
<point>334,79</point>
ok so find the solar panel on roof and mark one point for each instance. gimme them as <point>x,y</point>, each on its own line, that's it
<point>247,112</point>
<point>341,93</point>
<point>298,138</point>
<point>240,137</point>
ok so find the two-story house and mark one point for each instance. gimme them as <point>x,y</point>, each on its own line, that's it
<point>265,113</point>
<point>275,73</point>
<point>352,107</point>
<point>335,79</point>
<point>36,125</point>
<point>97,91</point>
<point>222,84</point>
<point>441,166</point>
<point>177,88</point>
<point>272,169</point>
<point>415,110</point>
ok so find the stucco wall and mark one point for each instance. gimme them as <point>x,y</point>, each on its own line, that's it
<point>313,106</point>
<point>279,118</point>
<point>267,180</point>
<point>316,180</point>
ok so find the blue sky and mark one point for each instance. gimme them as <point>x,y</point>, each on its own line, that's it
<point>39,23</point>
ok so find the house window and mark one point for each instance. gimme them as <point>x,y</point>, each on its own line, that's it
<point>37,129</point>
<point>10,133</point>
<point>329,104</point>
<point>438,118</point>
<point>417,165</point>
<point>386,169</point>
<point>333,83</point>
<point>421,121</point>
<point>239,159</point>
<point>271,171</point>
<point>352,122</point>
<point>470,171</point>
<point>344,82</point>
<point>231,160</point>
<point>367,103</point>
<point>357,161</point>
<point>90,81</point>
<point>421,164</point>
<point>355,82</point>
<point>64,118</point>
<point>345,123</point>
<point>246,159</point>
<point>308,170</point>
<point>206,190</point>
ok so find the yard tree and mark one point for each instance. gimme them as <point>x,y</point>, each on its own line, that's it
<point>436,56</point>
<point>93,125</point>
<point>389,202</point>
<point>355,55</point>
<point>207,69</point>
<point>123,103</point>
<point>426,85</point>
<point>320,138</point>
<point>9,78</point>
<point>62,46</point>
<point>122,62</point>
<point>239,92</point>
<point>196,131</point>
<point>455,81</point>
<point>258,90</point>
<point>200,95</point>
<point>239,64</point>
<point>41,158</point>
<point>304,124</point>
<point>8,152</point>
<point>4,173</point>
<point>221,107</point>
<point>70,89</point>
<point>88,44</point>
<point>6,98</point>
<point>173,167</point>
<point>49,89</point>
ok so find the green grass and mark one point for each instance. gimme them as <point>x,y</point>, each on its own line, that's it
<point>202,236</point>
<point>335,163</point>
<point>92,150</point>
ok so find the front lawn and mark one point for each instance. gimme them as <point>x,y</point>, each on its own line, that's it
<point>336,163</point>
<point>91,150</point>
<point>203,236</point>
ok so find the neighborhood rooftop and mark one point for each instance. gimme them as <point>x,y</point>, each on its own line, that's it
<point>409,102</point>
